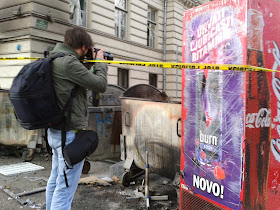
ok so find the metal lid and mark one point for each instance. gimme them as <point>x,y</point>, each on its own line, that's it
<point>109,98</point>
<point>145,91</point>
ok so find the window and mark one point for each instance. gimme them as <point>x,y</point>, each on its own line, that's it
<point>151,27</point>
<point>78,12</point>
<point>123,78</point>
<point>83,12</point>
<point>153,80</point>
<point>120,18</point>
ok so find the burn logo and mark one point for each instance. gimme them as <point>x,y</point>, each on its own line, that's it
<point>208,139</point>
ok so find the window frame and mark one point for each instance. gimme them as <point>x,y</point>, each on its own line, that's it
<point>123,84</point>
<point>151,27</point>
<point>153,78</point>
<point>84,14</point>
<point>119,12</point>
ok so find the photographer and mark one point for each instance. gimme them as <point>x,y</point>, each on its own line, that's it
<point>68,73</point>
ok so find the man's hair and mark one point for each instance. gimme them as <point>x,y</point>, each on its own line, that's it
<point>77,37</point>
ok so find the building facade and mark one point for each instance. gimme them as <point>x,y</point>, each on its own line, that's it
<point>132,30</point>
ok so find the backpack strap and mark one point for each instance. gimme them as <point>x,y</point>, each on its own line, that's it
<point>58,55</point>
<point>46,54</point>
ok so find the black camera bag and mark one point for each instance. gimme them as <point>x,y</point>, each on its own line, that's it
<point>84,144</point>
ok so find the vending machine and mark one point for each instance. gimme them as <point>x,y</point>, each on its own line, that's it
<point>230,155</point>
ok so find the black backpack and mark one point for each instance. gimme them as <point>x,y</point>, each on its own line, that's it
<point>33,96</point>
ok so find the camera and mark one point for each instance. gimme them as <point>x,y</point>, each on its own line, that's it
<point>106,55</point>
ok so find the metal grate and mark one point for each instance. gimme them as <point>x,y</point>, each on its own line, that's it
<point>189,201</point>
<point>19,168</point>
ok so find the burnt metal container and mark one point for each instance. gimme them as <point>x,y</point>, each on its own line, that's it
<point>105,120</point>
<point>12,134</point>
<point>150,122</point>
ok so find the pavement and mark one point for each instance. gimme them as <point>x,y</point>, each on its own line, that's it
<point>100,188</point>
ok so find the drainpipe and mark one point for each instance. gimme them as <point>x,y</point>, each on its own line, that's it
<point>177,56</point>
<point>164,46</point>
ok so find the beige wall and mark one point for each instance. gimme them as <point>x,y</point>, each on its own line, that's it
<point>22,30</point>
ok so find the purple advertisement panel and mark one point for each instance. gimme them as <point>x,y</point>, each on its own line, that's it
<point>214,103</point>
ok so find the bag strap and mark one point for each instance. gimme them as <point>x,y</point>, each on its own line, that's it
<point>67,119</point>
<point>49,149</point>
<point>66,122</point>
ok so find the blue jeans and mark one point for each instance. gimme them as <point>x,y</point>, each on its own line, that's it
<point>58,196</point>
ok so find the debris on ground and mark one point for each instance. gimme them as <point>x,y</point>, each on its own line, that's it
<point>90,193</point>
<point>18,196</point>
<point>93,180</point>
<point>139,194</point>
<point>159,198</point>
<point>107,179</point>
<point>116,179</point>
<point>18,168</point>
<point>165,182</point>
<point>33,179</point>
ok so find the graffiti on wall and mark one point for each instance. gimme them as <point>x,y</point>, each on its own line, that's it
<point>103,121</point>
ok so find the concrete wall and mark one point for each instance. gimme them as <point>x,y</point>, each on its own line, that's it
<point>32,32</point>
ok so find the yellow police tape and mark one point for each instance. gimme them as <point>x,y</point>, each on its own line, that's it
<point>169,65</point>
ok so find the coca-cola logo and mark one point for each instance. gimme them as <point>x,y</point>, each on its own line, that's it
<point>258,120</point>
<point>275,144</point>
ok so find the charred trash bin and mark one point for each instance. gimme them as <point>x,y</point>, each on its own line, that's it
<point>150,122</point>
<point>105,120</point>
<point>12,134</point>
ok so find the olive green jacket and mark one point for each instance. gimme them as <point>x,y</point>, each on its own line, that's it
<point>68,72</point>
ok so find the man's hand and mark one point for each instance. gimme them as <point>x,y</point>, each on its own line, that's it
<point>100,54</point>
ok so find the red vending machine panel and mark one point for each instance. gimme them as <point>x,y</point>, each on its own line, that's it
<point>230,144</point>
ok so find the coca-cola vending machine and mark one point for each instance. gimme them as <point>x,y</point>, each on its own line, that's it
<point>230,155</point>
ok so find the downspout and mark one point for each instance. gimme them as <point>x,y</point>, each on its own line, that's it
<point>177,60</point>
<point>164,46</point>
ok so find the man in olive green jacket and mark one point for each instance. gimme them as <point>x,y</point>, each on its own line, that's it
<point>68,73</point>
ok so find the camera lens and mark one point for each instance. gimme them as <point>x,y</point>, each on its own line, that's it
<point>109,56</point>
